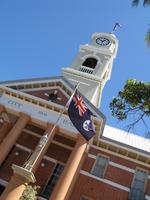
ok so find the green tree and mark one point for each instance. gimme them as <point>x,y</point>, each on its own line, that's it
<point>30,193</point>
<point>145,3</point>
<point>133,100</point>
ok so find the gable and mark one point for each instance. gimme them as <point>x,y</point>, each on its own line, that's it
<point>48,89</point>
<point>32,96</point>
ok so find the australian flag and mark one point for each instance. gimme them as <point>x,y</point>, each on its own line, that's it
<point>80,116</point>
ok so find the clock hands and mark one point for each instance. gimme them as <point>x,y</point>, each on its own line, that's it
<point>102,41</point>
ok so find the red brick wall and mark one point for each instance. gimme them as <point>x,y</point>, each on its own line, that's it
<point>59,153</point>
<point>112,173</point>
<point>40,93</point>
<point>118,159</point>
<point>64,140</point>
<point>148,187</point>
<point>43,173</point>
<point>6,169</point>
<point>119,176</point>
<point>28,140</point>
<point>96,190</point>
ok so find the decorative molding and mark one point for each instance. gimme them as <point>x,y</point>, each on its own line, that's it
<point>50,159</point>
<point>46,88</point>
<point>23,148</point>
<point>116,165</point>
<point>147,197</point>
<point>29,150</point>
<point>32,133</point>
<point>116,185</point>
<point>121,167</point>
<point>62,145</point>
<point>120,155</point>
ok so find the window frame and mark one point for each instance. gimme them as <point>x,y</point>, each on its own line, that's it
<point>46,183</point>
<point>102,155</point>
<point>98,58</point>
<point>140,168</point>
<point>88,59</point>
<point>84,196</point>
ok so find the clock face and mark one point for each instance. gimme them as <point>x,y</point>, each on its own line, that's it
<point>102,41</point>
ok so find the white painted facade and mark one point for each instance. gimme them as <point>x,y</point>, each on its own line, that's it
<point>92,80</point>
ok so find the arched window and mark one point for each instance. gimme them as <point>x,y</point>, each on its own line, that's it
<point>90,62</point>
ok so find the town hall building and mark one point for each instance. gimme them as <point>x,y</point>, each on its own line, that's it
<point>40,146</point>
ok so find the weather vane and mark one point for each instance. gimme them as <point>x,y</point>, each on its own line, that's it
<point>116,26</point>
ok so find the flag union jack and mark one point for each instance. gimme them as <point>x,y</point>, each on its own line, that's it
<point>79,103</point>
<point>80,116</point>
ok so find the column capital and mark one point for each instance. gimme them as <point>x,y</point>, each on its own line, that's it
<point>12,136</point>
<point>24,173</point>
<point>2,109</point>
<point>81,138</point>
<point>25,116</point>
<point>50,126</point>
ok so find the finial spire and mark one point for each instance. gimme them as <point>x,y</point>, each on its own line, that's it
<point>116,26</point>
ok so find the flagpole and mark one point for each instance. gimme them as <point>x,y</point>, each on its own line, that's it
<point>29,164</point>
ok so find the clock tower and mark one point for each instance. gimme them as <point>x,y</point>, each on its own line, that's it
<point>92,66</point>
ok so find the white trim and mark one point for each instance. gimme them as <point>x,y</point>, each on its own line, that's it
<point>126,148</point>
<point>40,88</point>
<point>93,55</point>
<point>147,197</point>
<point>92,156</point>
<point>121,156</point>
<point>29,150</point>
<point>50,159</point>
<point>3,87</point>
<point>38,114</point>
<point>115,164</point>
<point>3,182</point>
<point>45,88</point>
<point>122,167</point>
<point>26,82</point>
<point>53,141</point>
<point>32,133</point>
<point>121,187</point>
<point>23,148</point>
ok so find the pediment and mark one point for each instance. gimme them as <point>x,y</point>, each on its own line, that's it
<point>52,90</point>
<point>46,94</point>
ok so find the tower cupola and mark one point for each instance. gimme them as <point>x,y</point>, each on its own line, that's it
<point>92,66</point>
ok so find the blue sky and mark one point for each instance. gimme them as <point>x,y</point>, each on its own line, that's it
<point>38,38</point>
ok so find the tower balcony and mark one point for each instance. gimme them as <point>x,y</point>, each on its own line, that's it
<point>86,70</point>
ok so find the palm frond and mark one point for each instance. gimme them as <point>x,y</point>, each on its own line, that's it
<point>135,2</point>
<point>146,2</point>
<point>147,38</point>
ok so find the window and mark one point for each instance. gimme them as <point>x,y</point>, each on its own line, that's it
<point>100,166</point>
<point>85,198</point>
<point>90,62</point>
<point>138,185</point>
<point>47,190</point>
